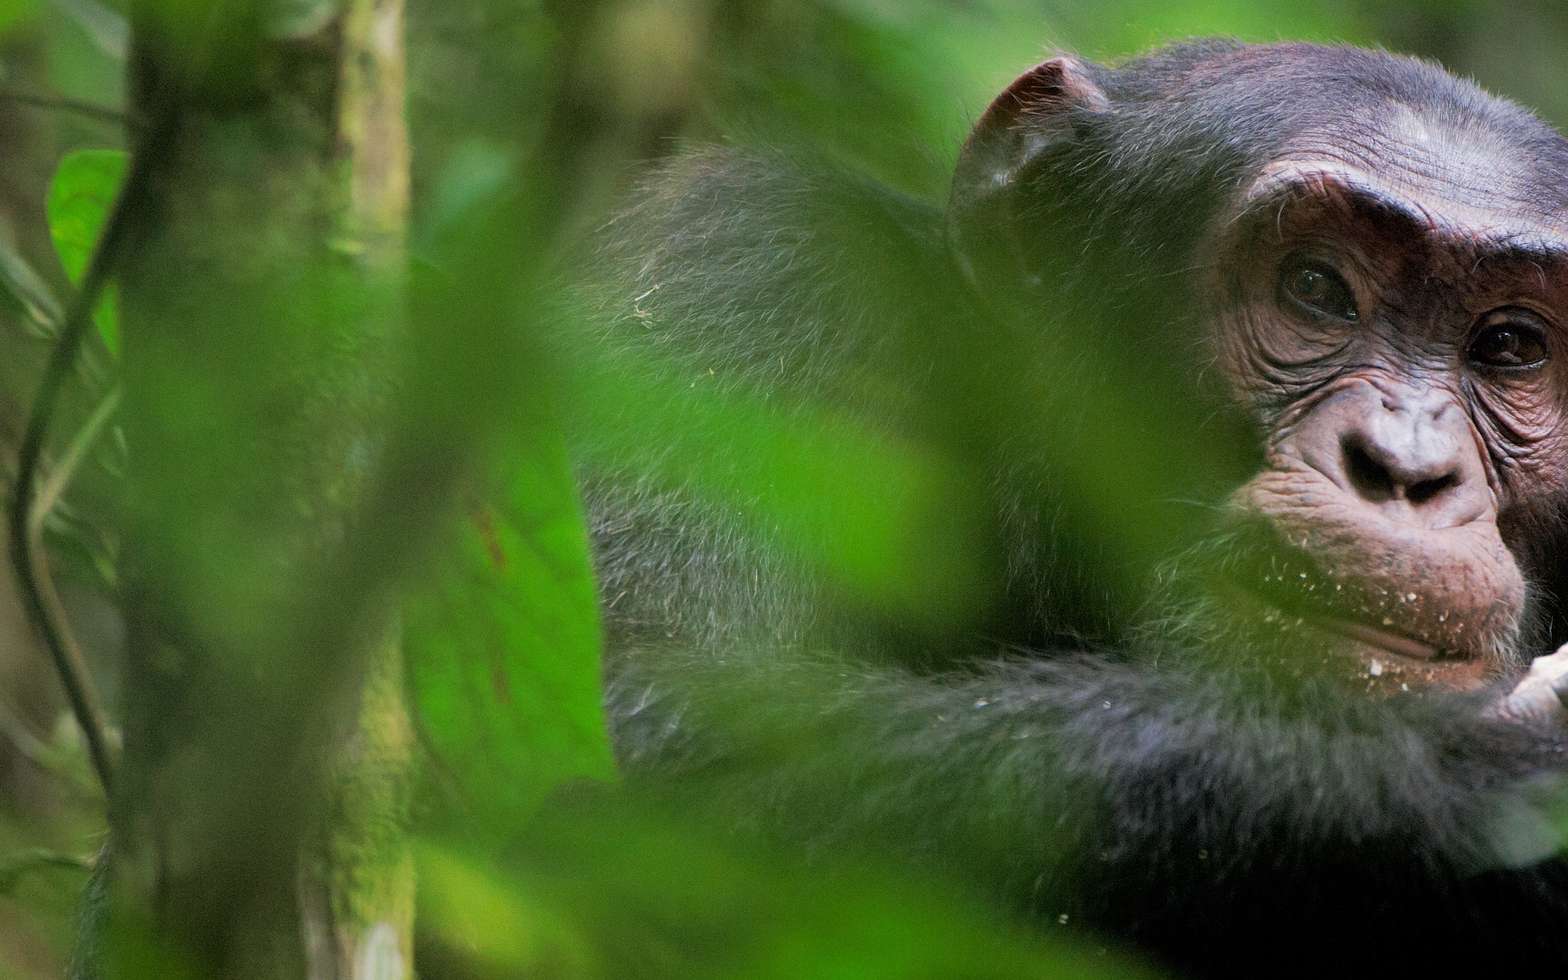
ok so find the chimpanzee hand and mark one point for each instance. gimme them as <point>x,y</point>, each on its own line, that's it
<point>1543,694</point>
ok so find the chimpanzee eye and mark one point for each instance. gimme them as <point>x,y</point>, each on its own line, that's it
<point>1315,288</point>
<point>1509,340</point>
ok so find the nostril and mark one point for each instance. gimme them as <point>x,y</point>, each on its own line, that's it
<point>1420,493</point>
<point>1367,476</point>
<point>1375,481</point>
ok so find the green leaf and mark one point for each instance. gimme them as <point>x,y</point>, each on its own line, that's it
<point>80,196</point>
<point>503,642</point>
<point>903,534</point>
<point>12,11</point>
<point>605,888</point>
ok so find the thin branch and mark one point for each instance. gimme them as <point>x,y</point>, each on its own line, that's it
<point>27,560</point>
<point>71,660</point>
<point>59,103</point>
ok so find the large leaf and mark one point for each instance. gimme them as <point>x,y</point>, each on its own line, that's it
<point>503,642</point>
<point>80,196</point>
<point>606,889</point>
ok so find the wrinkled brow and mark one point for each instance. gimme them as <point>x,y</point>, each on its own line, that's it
<point>1358,196</point>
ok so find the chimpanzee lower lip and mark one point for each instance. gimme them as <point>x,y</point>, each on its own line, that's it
<point>1379,638</point>
<point>1395,643</point>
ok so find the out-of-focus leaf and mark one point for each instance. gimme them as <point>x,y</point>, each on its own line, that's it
<point>477,174</point>
<point>105,26</point>
<point>503,642</point>
<point>80,196</point>
<point>1112,30</point>
<point>12,11</point>
<point>501,930</point>
<point>620,891</point>
<point>880,519</point>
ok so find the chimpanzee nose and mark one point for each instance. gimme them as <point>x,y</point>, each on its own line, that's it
<point>1406,452</point>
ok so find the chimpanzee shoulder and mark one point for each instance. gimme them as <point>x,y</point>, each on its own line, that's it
<point>744,261</point>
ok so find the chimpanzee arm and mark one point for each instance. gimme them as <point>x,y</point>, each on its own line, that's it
<point>1156,804</point>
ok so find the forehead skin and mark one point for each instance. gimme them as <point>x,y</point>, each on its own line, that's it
<point>1441,202</point>
<point>1462,160</point>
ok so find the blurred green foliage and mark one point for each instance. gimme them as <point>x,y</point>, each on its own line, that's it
<point>12,11</point>
<point>602,892</point>
<point>529,120</point>
<point>503,645</point>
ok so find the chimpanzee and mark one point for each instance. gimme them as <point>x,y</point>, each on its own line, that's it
<point>1254,360</point>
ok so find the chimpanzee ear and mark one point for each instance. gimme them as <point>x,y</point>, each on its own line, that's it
<point>1035,113</point>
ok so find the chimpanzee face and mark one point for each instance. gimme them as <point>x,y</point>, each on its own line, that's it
<point>1395,322</point>
<point>1382,285</point>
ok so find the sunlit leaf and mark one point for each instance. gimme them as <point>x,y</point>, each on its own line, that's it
<point>80,196</point>
<point>504,642</point>
<point>503,632</point>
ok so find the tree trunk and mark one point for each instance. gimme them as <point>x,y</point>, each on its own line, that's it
<point>259,814</point>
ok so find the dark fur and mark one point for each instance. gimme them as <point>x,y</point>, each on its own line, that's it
<point>1143,768</point>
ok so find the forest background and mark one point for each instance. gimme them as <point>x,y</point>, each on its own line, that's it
<point>384,680</point>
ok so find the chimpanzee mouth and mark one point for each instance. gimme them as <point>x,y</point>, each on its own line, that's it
<point>1292,611</point>
<point>1388,641</point>
<point>1290,590</point>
